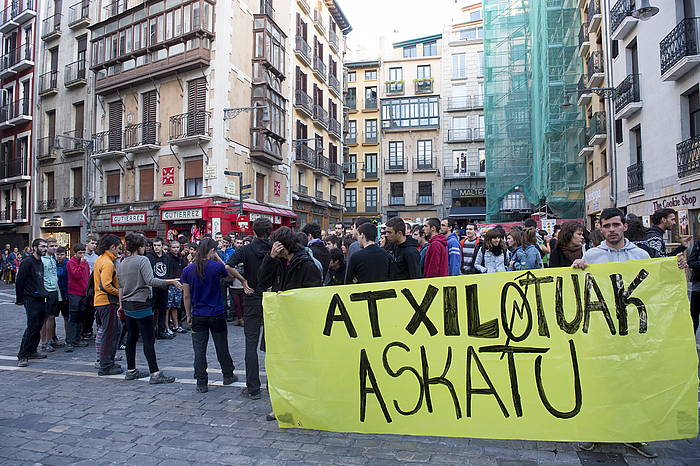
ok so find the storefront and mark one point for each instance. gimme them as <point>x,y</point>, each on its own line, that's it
<point>61,230</point>
<point>686,204</point>
<point>325,214</point>
<point>120,221</point>
<point>468,205</point>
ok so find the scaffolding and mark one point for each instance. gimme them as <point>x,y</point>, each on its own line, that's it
<point>532,143</point>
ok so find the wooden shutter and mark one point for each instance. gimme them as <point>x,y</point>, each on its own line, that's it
<point>259,187</point>
<point>50,191</point>
<point>196,105</point>
<point>78,182</point>
<point>193,169</point>
<point>115,125</point>
<point>146,183</point>
<point>149,117</point>
<point>79,119</point>
<point>51,123</point>
<point>113,183</point>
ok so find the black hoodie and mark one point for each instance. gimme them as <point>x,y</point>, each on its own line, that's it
<point>300,272</point>
<point>406,263</point>
<point>251,256</point>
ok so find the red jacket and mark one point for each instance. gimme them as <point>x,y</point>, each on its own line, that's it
<point>436,258</point>
<point>78,276</point>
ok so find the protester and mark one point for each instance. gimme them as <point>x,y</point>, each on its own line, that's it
<point>303,240</point>
<point>494,255</point>
<point>205,311</point>
<point>235,293</point>
<point>62,274</point>
<point>31,293</point>
<point>89,316</point>
<point>106,303</point>
<point>176,264</point>
<point>336,269</point>
<point>637,235</point>
<point>339,231</point>
<point>90,254</point>
<point>661,221</point>
<point>332,242</point>
<point>435,264</point>
<point>406,263</point>
<point>354,247</point>
<point>159,263</point>
<point>78,276</point>
<point>52,299</point>
<point>348,240</point>
<point>448,228</point>
<point>470,247</point>
<point>419,235</point>
<point>694,285</point>
<point>135,278</point>
<point>251,256</point>
<point>371,263</point>
<point>316,244</point>
<point>569,245</point>
<point>527,256</point>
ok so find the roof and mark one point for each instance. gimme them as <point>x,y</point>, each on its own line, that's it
<point>363,64</point>
<point>338,16</point>
<point>419,40</point>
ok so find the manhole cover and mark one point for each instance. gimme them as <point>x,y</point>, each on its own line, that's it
<point>589,458</point>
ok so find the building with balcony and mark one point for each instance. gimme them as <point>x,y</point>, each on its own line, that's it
<point>656,129</point>
<point>61,128</point>
<point>18,26</point>
<point>317,132</point>
<point>595,145</point>
<point>463,149</point>
<point>411,140</point>
<point>362,138</point>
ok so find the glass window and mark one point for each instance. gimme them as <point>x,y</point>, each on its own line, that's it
<point>371,197</point>
<point>352,164</point>
<point>459,66</point>
<point>352,129</point>
<point>371,75</point>
<point>482,160</point>
<point>410,112</point>
<point>430,49</point>
<point>475,15</point>
<point>423,72</point>
<point>350,197</point>
<point>425,153</point>
<point>472,33</point>
<point>352,77</point>
<point>396,155</point>
<point>371,97</point>
<point>396,74</point>
<point>371,165</point>
<point>371,129</point>
<point>409,52</point>
<point>169,25</point>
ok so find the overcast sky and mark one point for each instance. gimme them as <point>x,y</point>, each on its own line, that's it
<point>395,19</point>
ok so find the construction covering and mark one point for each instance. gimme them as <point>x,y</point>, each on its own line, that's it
<point>532,143</point>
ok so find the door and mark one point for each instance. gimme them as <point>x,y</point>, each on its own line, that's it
<point>79,124</point>
<point>196,105</point>
<point>51,124</point>
<point>149,117</point>
<point>115,125</point>
<point>82,52</point>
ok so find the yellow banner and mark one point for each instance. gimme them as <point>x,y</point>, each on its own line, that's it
<point>606,354</point>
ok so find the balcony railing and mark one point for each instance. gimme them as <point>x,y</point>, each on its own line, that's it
<point>466,102</point>
<point>688,153</point>
<point>583,34</point>
<point>73,202</point>
<point>320,67</point>
<point>21,214</point>
<point>465,134</point>
<point>48,82</point>
<point>370,208</point>
<point>305,154</point>
<point>323,164</point>
<point>320,115</point>
<point>599,124</point>
<point>46,148</point>
<point>114,8</point>
<point>394,87</point>
<point>18,11</point>
<point>350,208</point>
<point>595,64</point>
<point>20,109</point>
<point>302,100</point>
<point>318,21</point>
<point>397,200</point>
<point>303,48</point>
<point>351,103</point>
<point>190,125</point>
<point>51,26</point>
<point>303,189</point>
<point>333,39</point>
<point>618,13</point>
<point>424,163</point>
<point>352,172</point>
<point>79,13</point>
<point>635,177</point>
<point>74,73</point>
<point>334,84</point>
<point>47,204</point>
<point>319,194</point>
<point>370,174</point>
<point>334,126</point>
<point>336,170</point>
<point>593,8</point>
<point>627,92</point>
<point>13,168</point>
<point>423,86</point>
<point>370,137</point>
<point>422,199</point>
<point>333,198</point>
<point>682,41</point>
<point>142,134</point>
<point>396,165</point>
<point>74,145</point>
<point>370,103</point>
<point>107,141</point>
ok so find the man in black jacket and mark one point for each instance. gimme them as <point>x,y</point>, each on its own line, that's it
<point>317,246</point>
<point>406,264</point>
<point>30,292</point>
<point>371,263</point>
<point>251,256</point>
<point>662,220</point>
<point>159,262</point>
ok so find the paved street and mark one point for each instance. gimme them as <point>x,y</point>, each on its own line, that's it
<point>57,411</point>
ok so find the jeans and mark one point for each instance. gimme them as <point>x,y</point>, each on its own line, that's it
<point>201,327</point>
<point>236,300</point>
<point>89,317</point>
<point>695,308</point>
<point>144,326</point>
<point>108,334</point>
<point>36,315</point>
<point>251,328</point>
<point>160,308</point>
<point>76,316</point>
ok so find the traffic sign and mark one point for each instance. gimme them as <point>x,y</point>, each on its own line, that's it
<point>230,173</point>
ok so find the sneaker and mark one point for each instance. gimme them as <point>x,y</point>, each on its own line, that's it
<point>159,377</point>
<point>37,355</point>
<point>202,388</point>
<point>57,343</point>
<point>643,449</point>
<point>228,380</point>
<point>89,336</point>
<point>245,393</point>
<point>69,348</point>
<point>114,370</point>
<point>164,336</point>
<point>97,364</point>
<point>122,347</point>
<point>24,362</point>
<point>47,348</point>
<point>180,330</point>
<point>586,446</point>
<point>270,416</point>
<point>136,374</point>
<point>81,344</point>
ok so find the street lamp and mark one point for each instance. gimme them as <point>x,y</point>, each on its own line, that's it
<point>645,11</point>
<point>605,92</point>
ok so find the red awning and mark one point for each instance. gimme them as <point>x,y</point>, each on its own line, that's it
<point>189,204</point>
<point>263,209</point>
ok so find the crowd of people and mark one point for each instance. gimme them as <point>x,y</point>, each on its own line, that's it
<point>149,289</point>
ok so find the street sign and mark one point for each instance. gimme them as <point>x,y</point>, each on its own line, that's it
<point>245,196</point>
<point>230,173</point>
<point>246,186</point>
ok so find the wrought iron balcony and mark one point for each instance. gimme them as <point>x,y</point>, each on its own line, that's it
<point>334,84</point>
<point>107,142</point>
<point>320,116</point>
<point>303,189</point>
<point>397,200</point>
<point>47,204</point>
<point>396,165</point>
<point>319,68</point>
<point>13,168</point>
<point>51,27</point>
<point>142,137</point>
<point>48,83</point>
<point>595,68</point>
<point>20,111</point>
<point>18,12</point>
<point>467,102</point>
<point>594,13</point>
<point>370,103</point>
<point>305,154</point>
<point>323,164</point>
<point>635,177</point>
<point>75,74</point>
<point>682,43</point>
<point>393,88</point>
<point>319,194</point>
<point>76,145</point>
<point>73,202</point>
<point>190,127</point>
<point>46,148</point>
<point>333,40</point>
<point>318,21</point>
<point>370,137</point>
<point>79,14</point>
<point>688,154</point>
<point>627,93</point>
<point>423,86</point>
<point>334,127</point>
<point>302,49</point>
<point>583,37</point>
<point>599,127</point>
<point>618,13</point>
<point>423,199</point>
<point>336,171</point>
<point>424,163</point>
<point>333,198</point>
<point>303,102</point>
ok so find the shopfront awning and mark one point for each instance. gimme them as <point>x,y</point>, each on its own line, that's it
<point>263,209</point>
<point>467,212</point>
<point>188,204</point>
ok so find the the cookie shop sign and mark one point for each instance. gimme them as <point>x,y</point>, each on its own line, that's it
<point>183,214</point>
<point>688,200</point>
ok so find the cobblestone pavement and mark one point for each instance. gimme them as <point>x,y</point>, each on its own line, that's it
<point>57,411</point>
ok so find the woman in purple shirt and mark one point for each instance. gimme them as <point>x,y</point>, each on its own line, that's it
<point>206,314</point>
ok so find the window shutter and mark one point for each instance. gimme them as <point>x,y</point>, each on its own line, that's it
<point>50,193</point>
<point>78,182</point>
<point>149,117</point>
<point>193,169</point>
<point>146,183</point>
<point>115,125</point>
<point>113,184</point>
<point>196,106</point>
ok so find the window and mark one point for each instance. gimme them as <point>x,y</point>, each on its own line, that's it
<point>370,97</point>
<point>371,131</point>
<point>481,64</point>
<point>459,66</point>
<point>474,33</point>
<point>351,98</point>
<point>425,154</point>
<point>461,161</point>
<point>352,131</point>
<point>410,112</point>
<point>475,15</point>
<point>409,52</point>
<point>396,161</point>
<point>371,199</point>
<point>396,193</point>
<point>352,165</point>
<point>193,177</point>
<point>260,187</point>
<point>430,49</point>
<point>371,75</point>
<point>460,130</point>
<point>636,134</point>
<point>352,76</point>
<point>300,179</point>
<point>396,74</point>
<point>615,49</point>
<point>146,183</point>
<point>603,162</point>
<point>618,132</point>
<point>425,192</point>
<point>112,186</point>
<point>370,165</point>
<point>423,71</point>
<point>50,187</point>
<point>694,113</point>
<point>351,198</point>
<point>482,160</point>
<point>77,180</point>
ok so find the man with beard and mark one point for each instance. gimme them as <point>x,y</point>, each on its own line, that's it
<point>30,292</point>
<point>406,264</point>
<point>159,262</point>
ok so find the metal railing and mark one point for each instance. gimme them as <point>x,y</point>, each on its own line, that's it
<point>320,67</point>
<point>688,154</point>
<point>74,145</point>
<point>351,208</point>
<point>369,175</point>
<point>318,19</point>
<point>394,88</point>
<point>595,63</point>
<point>352,172</point>
<point>334,83</point>
<point>323,164</point>
<point>320,115</point>
<point>635,177</point>
<point>21,214</point>
<point>618,13</point>
<point>306,154</point>
<point>19,108</point>
<point>371,137</point>
<point>51,25</point>
<point>48,81</point>
<point>141,134</point>
<point>593,8</point>
<point>599,124</point>
<point>465,102</point>
<point>351,103</point>
<point>79,11</point>
<point>422,199</point>
<point>370,103</point>
<point>682,41</point>
<point>465,134</point>
<point>333,39</point>
<point>397,200</point>
<point>336,170</point>
<point>333,198</point>
<point>334,126</point>
<point>13,167</point>
<point>303,189</point>
<point>16,8</point>
<point>107,141</point>
<point>302,47</point>
<point>74,72</point>
<point>423,86</point>
<point>190,124</point>
<point>583,34</point>
<point>424,163</point>
<point>396,165</point>
<point>73,202</point>
<point>303,100</point>
<point>46,147</point>
<point>627,92</point>
<point>47,204</point>
<point>114,8</point>
<point>319,194</point>
<point>370,208</point>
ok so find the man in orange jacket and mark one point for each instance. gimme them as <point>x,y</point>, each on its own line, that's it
<point>107,304</point>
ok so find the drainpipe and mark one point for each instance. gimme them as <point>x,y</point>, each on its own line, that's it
<point>609,105</point>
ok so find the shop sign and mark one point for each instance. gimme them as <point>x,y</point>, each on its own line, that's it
<point>255,215</point>
<point>132,218</point>
<point>683,200</point>
<point>468,192</point>
<point>52,223</point>
<point>168,176</point>
<point>216,225</point>
<point>277,220</point>
<point>183,214</point>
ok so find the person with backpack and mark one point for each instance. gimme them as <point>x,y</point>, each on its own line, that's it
<point>527,256</point>
<point>470,247</point>
<point>448,228</point>
<point>494,255</point>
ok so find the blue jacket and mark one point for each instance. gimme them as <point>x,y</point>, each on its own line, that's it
<point>454,255</point>
<point>527,259</point>
<point>62,274</point>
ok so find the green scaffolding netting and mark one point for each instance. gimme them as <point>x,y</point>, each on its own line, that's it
<point>532,143</point>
